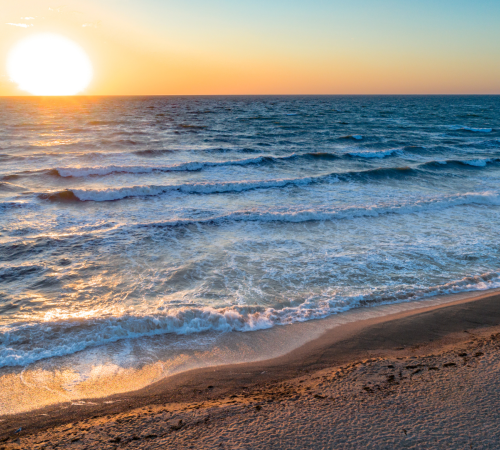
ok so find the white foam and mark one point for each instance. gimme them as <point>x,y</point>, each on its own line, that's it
<point>23,344</point>
<point>376,154</point>
<point>14,204</point>
<point>475,130</point>
<point>477,162</point>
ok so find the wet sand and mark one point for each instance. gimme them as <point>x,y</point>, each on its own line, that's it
<point>426,378</point>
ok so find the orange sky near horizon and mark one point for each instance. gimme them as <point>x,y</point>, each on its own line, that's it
<point>189,48</point>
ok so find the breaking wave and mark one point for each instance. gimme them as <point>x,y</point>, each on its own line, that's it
<point>110,194</point>
<point>22,344</point>
<point>102,195</point>
<point>471,162</point>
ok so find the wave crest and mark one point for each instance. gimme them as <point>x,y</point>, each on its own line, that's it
<point>376,154</point>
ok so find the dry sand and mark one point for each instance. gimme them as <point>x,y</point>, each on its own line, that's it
<point>424,379</point>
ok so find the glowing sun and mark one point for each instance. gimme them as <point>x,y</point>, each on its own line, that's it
<point>49,64</point>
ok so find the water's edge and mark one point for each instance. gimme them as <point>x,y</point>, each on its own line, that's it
<point>76,378</point>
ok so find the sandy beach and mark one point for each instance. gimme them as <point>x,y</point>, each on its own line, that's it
<point>426,378</point>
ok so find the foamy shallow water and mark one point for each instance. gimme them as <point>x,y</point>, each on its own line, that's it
<point>88,377</point>
<point>172,218</point>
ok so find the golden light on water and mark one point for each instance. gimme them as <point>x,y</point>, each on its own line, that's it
<point>49,64</point>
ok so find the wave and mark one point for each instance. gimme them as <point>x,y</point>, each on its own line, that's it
<point>478,162</point>
<point>152,152</point>
<point>356,137</point>
<point>89,155</point>
<point>66,172</point>
<point>470,129</point>
<point>102,195</point>
<point>200,165</point>
<point>110,194</point>
<point>186,166</point>
<point>12,176</point>
<point>9,187</point>
<point>26,343</point>
<point>471,162</point>
<point>381,172</point>
<point>376,154</point>
<point>15,273</point>
<point>12,205</point>
<point>74,154</point>
<point>487,198</point>
<point>38,243</point>
<point>309,215</point>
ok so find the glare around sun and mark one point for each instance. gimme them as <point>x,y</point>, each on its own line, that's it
<point>49,64</point>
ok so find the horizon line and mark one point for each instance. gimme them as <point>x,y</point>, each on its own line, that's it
<point>250,95</point>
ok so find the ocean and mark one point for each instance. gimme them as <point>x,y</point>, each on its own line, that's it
<point>124,220</point>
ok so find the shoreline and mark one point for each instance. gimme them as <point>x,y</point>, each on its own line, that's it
<point>400,335</point>
<point>133,364</point>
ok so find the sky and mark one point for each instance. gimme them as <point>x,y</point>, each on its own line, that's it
<point>195,47</point>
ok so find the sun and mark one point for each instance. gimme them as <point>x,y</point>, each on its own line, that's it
<point>49,64</point>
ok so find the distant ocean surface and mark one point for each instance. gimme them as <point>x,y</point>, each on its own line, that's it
<point>136,216</point>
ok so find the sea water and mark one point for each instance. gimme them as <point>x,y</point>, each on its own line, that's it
<point>130,217</point>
